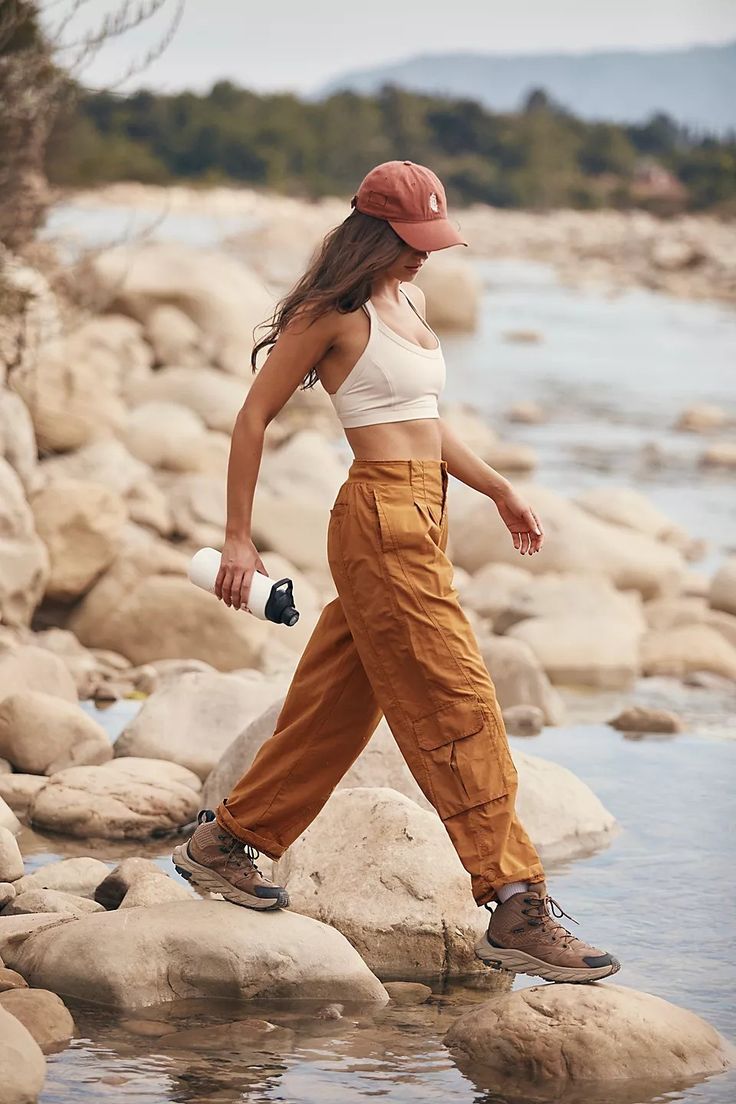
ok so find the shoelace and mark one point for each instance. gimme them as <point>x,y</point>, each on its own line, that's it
<point>545,910</point>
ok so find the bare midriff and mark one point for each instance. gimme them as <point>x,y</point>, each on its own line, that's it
<point>413,439</point>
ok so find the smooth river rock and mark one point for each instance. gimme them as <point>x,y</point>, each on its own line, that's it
<point>124,799</point>
<point>394,885</point>
<point>43,1014</point>
<point>22,1064</point>
<point>24,561</point>
<point>80,523</point>
<point>172,721</point>
<point>194,949</point>
<point>41,734</point>
<point>564,1039</point>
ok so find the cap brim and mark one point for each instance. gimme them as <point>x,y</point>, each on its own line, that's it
<point>434,234</point>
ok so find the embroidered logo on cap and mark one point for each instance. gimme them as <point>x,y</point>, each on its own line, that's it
<point>433,201</point>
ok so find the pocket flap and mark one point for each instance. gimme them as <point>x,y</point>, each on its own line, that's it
<point>458,718</point>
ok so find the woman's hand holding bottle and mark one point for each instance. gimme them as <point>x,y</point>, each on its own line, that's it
<point>240,559</point>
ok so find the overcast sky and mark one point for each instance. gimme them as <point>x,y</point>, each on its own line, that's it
<point>300,44</point>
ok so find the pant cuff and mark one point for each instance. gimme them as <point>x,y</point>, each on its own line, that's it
<point>266,846</point>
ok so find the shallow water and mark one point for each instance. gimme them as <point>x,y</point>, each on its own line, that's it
<point>661,896</point>
<point>612,372</point>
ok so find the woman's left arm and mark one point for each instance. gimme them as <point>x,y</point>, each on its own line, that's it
<point>519,518</point>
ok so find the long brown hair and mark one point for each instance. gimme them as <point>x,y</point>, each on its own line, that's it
<point>338,276</point>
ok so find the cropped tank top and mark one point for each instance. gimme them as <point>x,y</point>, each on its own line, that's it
<point>393,380</point>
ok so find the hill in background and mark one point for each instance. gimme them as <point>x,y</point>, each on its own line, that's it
<point>695,86</point>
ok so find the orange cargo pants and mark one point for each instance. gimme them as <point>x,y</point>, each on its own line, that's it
<point>394,642</point>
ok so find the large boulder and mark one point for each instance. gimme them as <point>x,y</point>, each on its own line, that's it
<point>73,392</point>
<point>41,734</point>
<point>276,520</point>
<point>586,595</point>
<point>563,816</point>
<point>194,949</point>
<point>11,860</point>
<point>174,338</point>
<point>722,594</point>
<point>452,288</point>
<point>154,889</point>
<point>519,677</point>
<point>138,882</point>
<point>493,589</point>
<point>106,462</point>
<point>34,901</point>
<point>222,297</point>
<point>213,396</point>
<point>584,650</point>
<point>680,651</point>
<point>80,523</point>
<point>238,756</point>
<point>145,608</point>
<point>8,819</point>
<point>26,667</point>
<point>306,467</point>
<point>172,720</point>
<point>14,929</point>
<point>24,561</point>
<point>42,1013</point>
<point>125,876</point>
<point>574,540</point>
<point>17,790</point>
<point>124,799</point>
<point>18,439</point>
<point>394,885</point>
<point>565,1040</point>
<point>164,434</point>
<point>690,609</point>
<point>80,876</point>
<point>22,1064</point>
<point>630,509</point>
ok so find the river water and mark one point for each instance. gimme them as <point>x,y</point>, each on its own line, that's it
<point>612,374</point>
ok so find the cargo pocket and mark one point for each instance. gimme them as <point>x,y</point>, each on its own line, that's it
<point>467,763</point>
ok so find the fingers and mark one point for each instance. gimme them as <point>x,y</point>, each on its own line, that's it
<point>221,576</point>
<point>234,586</point>
<point>529,539</point>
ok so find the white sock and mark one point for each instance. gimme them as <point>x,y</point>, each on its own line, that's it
<point>504,892</point>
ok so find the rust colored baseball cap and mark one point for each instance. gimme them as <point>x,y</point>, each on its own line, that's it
<point>412,201</point>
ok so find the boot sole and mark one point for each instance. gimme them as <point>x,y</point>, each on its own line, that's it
<point>518,962</point>
<point>208,881</point>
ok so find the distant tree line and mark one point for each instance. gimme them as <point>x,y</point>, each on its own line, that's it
<point>539,157</point>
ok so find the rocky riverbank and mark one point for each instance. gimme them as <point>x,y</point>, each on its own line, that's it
<point>689,256</point>
<point>120,386</point>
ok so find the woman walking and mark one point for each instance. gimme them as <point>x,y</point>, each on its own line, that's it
<point>395,641</point>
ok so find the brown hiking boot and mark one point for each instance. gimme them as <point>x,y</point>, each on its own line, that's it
<point>524,938</point>
<point>214,861</point>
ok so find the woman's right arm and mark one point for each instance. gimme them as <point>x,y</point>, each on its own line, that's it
<point>299,347</point>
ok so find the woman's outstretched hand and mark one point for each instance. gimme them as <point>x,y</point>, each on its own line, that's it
<point>521,521</point>
<point>240,559</point>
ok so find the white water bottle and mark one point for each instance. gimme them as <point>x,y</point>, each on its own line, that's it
<point>269,599</point>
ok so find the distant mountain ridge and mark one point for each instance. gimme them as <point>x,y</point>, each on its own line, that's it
<point>696,86</point>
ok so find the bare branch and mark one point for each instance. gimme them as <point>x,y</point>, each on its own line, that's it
<point>151,55</point>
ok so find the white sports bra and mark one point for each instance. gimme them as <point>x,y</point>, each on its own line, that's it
<point>393,380</point>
